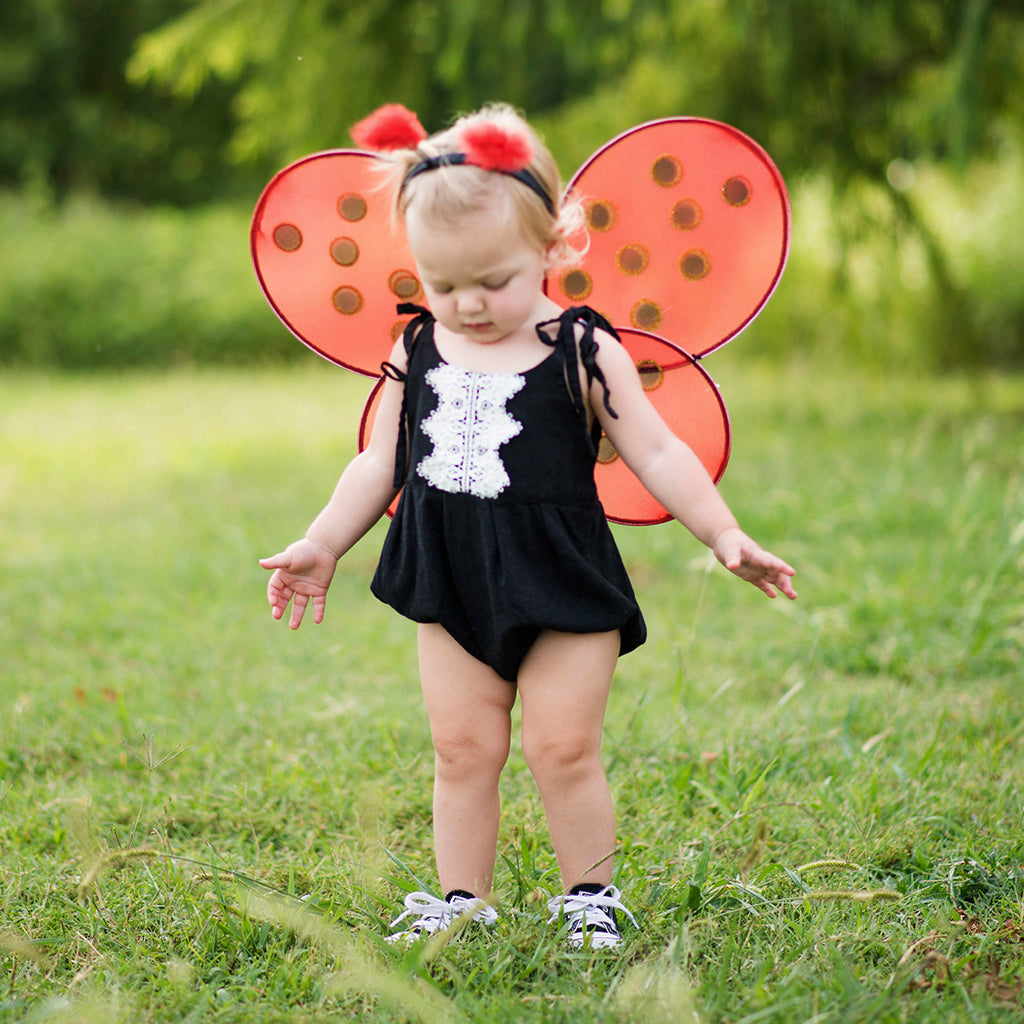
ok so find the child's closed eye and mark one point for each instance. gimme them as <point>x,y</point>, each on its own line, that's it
<point>489,285</point>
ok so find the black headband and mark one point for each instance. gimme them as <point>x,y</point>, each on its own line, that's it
<point>431,163</point>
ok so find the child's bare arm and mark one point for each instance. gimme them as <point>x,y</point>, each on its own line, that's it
<point>673,474</point>
<point>302,573</point>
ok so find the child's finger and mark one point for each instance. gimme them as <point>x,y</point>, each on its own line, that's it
<point>781,575</point>
<point>299,602</point>
<point>278,595</point>
<point>785,584</point>
<point>776,579</point>
<point>278,561</point>
<point>784,568</point>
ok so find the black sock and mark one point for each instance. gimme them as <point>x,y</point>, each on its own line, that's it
<point>459,892</point>
<point>587,889</point>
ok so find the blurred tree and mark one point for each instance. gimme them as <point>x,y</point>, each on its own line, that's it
<point>854,89</point>
<point>851,85</point>
<point>308,70</point>
<point>228,90</point>
<point>848,85</point>
<point>860,90</point>
<point>69,120</point>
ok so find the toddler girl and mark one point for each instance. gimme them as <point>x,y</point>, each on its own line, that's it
<point>499,548</point>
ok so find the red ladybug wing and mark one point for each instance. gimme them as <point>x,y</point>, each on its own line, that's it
<point>366,427</point>
<point>689,402</point>
<point>328,260</point>
<point>689,227</point>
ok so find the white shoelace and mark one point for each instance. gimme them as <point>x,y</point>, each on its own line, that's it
<point>434,915</point>
<point>590,914</point>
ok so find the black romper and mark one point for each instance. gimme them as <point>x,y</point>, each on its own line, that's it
<point>499,532</point>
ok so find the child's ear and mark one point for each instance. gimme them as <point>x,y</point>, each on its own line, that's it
<point>550,255</point>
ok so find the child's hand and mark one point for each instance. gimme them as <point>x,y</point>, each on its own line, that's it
<point>748,560</point>
<point>302,571</point>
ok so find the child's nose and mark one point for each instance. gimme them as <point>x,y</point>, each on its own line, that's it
<point>470,299</point>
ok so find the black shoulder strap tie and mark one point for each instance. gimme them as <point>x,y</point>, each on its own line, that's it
<point>405,308</point>
<point>591,320</point>
<point>409,335</point>
<point>412,329</point>
<point>587,347</point>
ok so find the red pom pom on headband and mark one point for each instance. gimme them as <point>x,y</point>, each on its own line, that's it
<point>389,127</point>
<point>494,147</point>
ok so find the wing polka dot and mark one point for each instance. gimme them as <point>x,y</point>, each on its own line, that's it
<point>652,375</point>
<point>737,191</point>
<point>352,207</point>
<point>287,237</point>
<point>601,216</point>
<point>695,264</point>
<point>667,171</point>
<point>405,286</point>
<point>576,285</point>
<point>687,214</point>
<point>646,315</point>
<point>347,300</point>
<point>344,251</point>
<point>632,259</point>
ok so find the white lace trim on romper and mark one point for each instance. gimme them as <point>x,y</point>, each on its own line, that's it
<point>468,427</point>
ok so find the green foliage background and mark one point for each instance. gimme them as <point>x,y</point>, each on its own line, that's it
<point>135,136</point>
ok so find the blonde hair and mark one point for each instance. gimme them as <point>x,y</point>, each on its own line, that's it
<point>453,190</point>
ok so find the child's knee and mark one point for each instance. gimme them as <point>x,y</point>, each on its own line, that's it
<point>558,756</point>
<point>461,754</point>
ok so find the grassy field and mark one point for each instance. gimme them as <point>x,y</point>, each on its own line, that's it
<point>205,817</point>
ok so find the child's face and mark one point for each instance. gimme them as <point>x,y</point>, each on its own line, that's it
<point>482,279</point>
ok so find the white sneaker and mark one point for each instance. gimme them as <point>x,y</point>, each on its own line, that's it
<point>590,917</point>
<point>435,915</point>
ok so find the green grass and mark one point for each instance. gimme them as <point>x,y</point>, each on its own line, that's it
<point>820,812</point>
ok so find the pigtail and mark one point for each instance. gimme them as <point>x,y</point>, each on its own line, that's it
<point>570,236</point>
<point>389,128</point>
<point>394,133</point>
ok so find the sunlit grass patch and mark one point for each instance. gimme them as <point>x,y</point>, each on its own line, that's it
<point>204,816</point>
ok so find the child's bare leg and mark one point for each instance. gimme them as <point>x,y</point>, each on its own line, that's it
<point>564,684</point>
<point>470,722</point>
